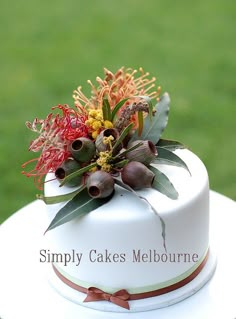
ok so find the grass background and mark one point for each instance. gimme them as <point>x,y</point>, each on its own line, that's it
<point>48,48</point>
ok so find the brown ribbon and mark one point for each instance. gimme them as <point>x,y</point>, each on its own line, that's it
<point>121,297</point>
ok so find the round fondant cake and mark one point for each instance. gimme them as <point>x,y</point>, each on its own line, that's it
<point>120,245</point>
<point>128,210</point>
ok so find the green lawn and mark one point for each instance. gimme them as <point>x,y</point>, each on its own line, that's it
<point>48,48</point>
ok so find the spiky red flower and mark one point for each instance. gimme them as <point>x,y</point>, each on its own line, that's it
<point>55,134</point>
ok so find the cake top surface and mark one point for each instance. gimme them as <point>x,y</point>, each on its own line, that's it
<point>111,138</point>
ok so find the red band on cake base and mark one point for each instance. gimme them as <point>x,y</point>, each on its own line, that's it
<point>121,297</point>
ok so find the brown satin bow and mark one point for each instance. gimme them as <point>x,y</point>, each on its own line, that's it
<point>119,297</point>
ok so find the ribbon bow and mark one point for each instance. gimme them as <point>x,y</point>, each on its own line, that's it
<point>119,298</point>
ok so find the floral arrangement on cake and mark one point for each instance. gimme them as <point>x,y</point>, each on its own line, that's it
<point>111,138</point>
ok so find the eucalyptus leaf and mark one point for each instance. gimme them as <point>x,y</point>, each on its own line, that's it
<point>106,110</point>
<point>123,134</point>
<point>163,226</point>
<point>117,108</point>
<point>153,128</point>
<point>140,123</point>
<point>170,145</point>
<point>80,205</point>
<point>78,173</point>
<point>162,184</point>
<point>123,153</point>
<point>169,158</point>
<point>125,186</point>
<point>50,200</point>
<point>121,163</point>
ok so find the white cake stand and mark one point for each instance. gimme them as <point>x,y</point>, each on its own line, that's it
<point>26,294</point>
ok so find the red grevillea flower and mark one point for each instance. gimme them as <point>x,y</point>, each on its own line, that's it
<point>55,134</point>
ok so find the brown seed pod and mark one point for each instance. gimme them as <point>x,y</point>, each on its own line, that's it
<point>137,175</point>
<point>100,184</point>
<point>145,153</point>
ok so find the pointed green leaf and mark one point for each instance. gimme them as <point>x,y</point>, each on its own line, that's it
<point>123,134</point>
<point>140,123</point>
<point>117,107</point>
<point>123,153</point>
<point>167,157</point>
<point>80,205</point>
<point>170,145</point>
<point>121,163</point>
<point>162,184</point>
<point>153,128</point>
<point>49,200</point>
<point>77,173</point>
<point>106,110</point>
<point>125,186</point>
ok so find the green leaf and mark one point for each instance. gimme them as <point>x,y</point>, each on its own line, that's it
<point>121,154</point>
<point>140,123</point>
<point>121,163</point>
<point>77,173</point>
<point>167,157</point>
<point>163,226</point>
<point>170,145</point>
<point>117,107</point>
<point>80,205</point>
<point>106,110</point>
<point>49,200</point>
<point>123,134</point>
<point>125,186</point>
<point>162,184</point>
<point>153,128</point>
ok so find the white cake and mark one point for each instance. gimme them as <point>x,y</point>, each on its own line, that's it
<point>130,233</point>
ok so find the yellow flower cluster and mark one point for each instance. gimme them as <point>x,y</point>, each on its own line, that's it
<point>103,161</point>
<point>107,140</point>
<point>96,123</point>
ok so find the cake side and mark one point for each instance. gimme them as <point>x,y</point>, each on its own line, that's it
<point>121,243</point>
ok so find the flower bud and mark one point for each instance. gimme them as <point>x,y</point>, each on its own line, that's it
<point>145,153</point>
<point>100,184</point>
<point>82,149</point>
<point>68,167</point>
<point>137,175</point>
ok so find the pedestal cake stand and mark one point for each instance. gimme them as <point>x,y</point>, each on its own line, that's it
<point>25,292</point>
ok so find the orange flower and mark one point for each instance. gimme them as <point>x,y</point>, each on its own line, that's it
<point>125,83</point>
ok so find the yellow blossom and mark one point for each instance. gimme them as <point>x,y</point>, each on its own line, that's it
<point>103,161</point>
<point>108,124</point>
<point>96,125</point>
<point>89,121</point>
<point>108,139</point>
<point>99,117</point>
<point>93,113</point>
<point>95,134</point>
<point>96,114</point>
<point>106,167</point>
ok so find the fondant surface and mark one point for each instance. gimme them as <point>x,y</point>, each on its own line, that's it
<point>120,245</point>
